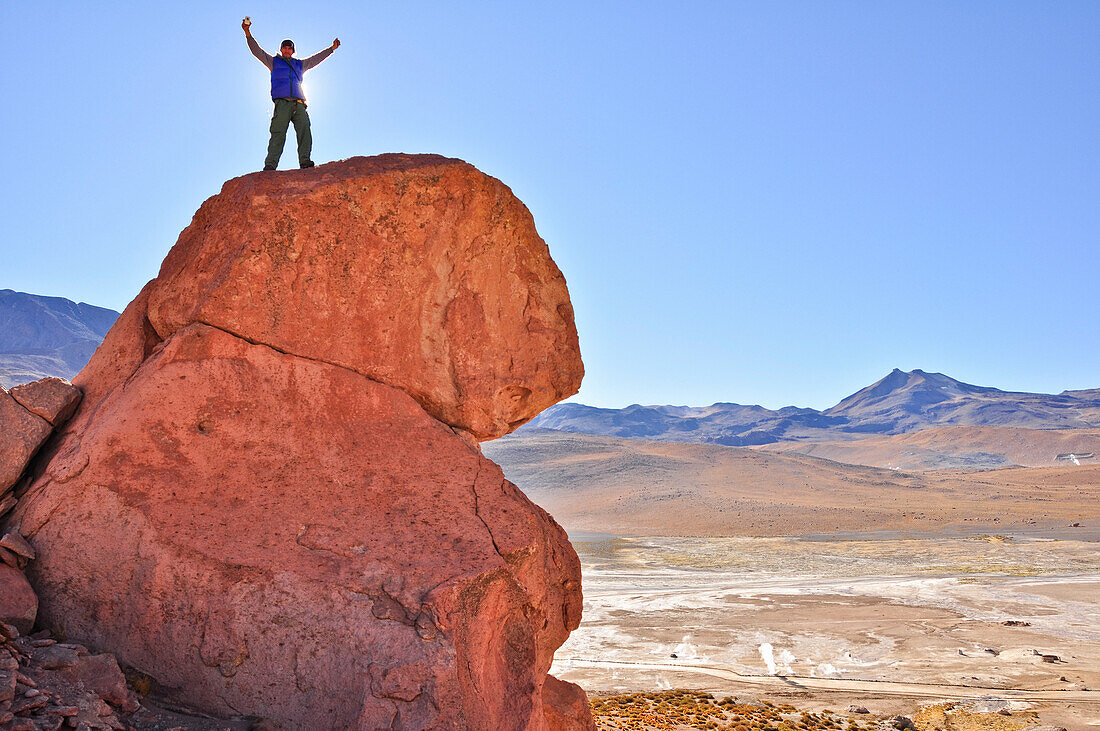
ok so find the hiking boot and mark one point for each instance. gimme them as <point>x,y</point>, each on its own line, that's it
<point>267,167</point>
<point>306,164</point>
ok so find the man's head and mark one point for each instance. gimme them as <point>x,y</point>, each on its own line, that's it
<point>287,48</point>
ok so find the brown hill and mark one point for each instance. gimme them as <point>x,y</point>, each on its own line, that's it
<point>638,487</point>
<point>957,447</point>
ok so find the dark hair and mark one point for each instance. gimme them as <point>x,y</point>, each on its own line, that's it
<point>287,42</point>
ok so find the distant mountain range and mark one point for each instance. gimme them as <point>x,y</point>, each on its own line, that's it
<point>47,336</point>
<point>899,403</point>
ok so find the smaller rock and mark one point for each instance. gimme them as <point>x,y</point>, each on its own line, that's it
<point>21,434</point>
<point>18,602</point>
<point>902,722</point>
<point>101,675</point>
<point>8,631</point>
<point>43,643</point>
<point>55,657</point>
<point>26,705</point>
<point>1050,658</point>
<point>1015,623</point>
<point>17,544</point>
<point>24,680</point>
<point>562,704</point>
<point>10,558</point>
<point>54,399</point>
<point>857,709</point>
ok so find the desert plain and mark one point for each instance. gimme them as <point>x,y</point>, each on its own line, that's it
<point>795,580</point>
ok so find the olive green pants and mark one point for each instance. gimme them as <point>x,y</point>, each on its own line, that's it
<point>286,112</point>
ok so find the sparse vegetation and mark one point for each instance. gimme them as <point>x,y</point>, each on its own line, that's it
<point>960,717</point>
<point>683,709</point>
<point>677,710</point>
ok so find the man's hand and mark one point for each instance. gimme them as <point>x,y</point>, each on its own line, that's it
<point>335,44</point>
<point>246,26</point>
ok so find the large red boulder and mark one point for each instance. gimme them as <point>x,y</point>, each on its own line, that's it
<point>268,501</point>
<point>415,270</point>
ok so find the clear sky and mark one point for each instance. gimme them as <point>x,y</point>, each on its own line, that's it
<point>759,202</point>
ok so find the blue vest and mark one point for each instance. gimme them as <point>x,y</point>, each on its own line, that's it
<point>284,82</point>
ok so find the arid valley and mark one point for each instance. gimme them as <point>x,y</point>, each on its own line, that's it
<point>784,578</point>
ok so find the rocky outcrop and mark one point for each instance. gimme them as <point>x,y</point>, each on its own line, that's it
<point>50,684</point>
<point>46,684</point>
<point>53,399</point>
<point>21,435</point>
<point>276,458</point>
<point>28,415</point>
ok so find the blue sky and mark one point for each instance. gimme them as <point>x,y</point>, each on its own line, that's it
<point>765,202</point>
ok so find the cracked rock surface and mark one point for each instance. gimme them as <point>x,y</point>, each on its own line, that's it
<point>271,500</point>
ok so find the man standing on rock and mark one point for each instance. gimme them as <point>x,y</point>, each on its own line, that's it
<point>286,92</point>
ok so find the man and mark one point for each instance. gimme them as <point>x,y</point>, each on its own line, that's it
<point>286,92</point>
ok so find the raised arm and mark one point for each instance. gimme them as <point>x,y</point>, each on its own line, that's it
<point>261,55</point>
<point>308,63</point>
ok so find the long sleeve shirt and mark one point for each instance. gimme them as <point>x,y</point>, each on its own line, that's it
<point>267,59</point>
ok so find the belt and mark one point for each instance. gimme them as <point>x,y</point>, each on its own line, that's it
<point>292,99</point>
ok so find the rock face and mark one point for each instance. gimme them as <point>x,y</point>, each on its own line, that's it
<point>423,274</point>
<point>274,458</point>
